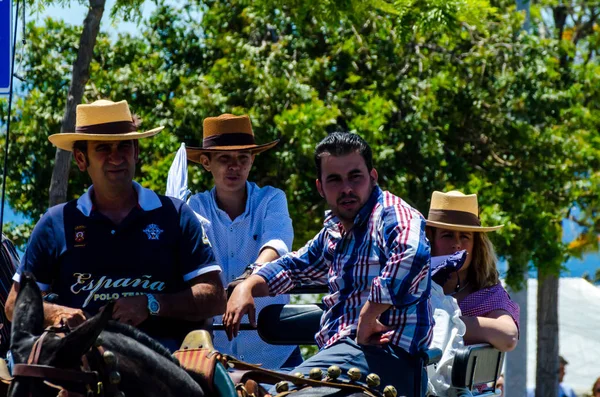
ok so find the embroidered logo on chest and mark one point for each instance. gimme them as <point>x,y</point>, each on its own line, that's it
<point>153,231</point>
<point>80,236</point>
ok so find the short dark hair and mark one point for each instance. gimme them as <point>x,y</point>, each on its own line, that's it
<point>81,146</point>
<point>340,144</point>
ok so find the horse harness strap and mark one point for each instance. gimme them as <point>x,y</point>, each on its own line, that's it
<point>83,376</point>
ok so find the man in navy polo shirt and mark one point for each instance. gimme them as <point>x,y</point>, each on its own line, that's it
<point>121,242</point>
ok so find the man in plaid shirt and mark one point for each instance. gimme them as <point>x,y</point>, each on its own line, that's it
<point>374,256</point>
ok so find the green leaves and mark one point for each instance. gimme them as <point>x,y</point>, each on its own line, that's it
<point>450,95</point>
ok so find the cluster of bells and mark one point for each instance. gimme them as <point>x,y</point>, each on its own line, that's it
<point>114,377</point>
<point>333,372</point>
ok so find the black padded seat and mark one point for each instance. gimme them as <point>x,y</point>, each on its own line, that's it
<point>289,324</point>
<point>476,364</point>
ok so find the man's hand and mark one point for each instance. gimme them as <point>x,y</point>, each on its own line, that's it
<point>240,303</point>
<point>67,315</point>
<point>132,310</point>
<point>370,330</point>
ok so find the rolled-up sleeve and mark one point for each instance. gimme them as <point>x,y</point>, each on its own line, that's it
<point>406,277</point>
<point>308,265</point>
<point>277,231</point>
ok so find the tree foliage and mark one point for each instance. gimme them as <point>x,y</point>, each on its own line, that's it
<point>481,107</point>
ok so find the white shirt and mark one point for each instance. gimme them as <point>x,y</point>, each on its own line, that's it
<point>236,244</point>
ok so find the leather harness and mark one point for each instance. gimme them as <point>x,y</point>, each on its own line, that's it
<point>85,376</point>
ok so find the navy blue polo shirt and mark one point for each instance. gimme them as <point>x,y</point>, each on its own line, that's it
<point>81,255</point>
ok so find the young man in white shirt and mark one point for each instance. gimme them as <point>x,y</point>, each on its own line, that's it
<point>244,223</point>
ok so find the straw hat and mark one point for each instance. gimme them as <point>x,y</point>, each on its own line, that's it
<point>456,211</point>
<point>227,133</point>
<point>101,121</point>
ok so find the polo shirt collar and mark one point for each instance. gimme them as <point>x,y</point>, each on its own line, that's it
<point>363,215</point>
<point>147,199</point>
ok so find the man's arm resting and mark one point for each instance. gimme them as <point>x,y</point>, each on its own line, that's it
<point>370,330</point>
<point>204,298</point>
<point>53,314</point>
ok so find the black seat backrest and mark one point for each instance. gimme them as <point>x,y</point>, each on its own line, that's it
<point>289,324</point>
<point>476,364</point>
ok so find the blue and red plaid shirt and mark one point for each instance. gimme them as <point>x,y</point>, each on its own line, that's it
<point>384,258</point>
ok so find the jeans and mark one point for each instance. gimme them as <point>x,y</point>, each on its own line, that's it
<point>393,365</point>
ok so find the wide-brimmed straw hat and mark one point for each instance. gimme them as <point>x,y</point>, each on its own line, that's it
<point>102,120</point>
<point>227,133</point>
<point>456,211</point>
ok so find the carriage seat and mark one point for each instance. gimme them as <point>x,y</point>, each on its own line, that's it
<point>297,325</point>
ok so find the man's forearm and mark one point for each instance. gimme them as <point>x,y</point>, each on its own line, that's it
<point>372,310</point>
<point>201,301</point>
<point>256,285</point>
<point>267,254</point>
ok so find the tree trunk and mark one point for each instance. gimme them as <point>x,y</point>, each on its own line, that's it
<point>546,377</point>
<point>516,360</point>
<point>81,75</point>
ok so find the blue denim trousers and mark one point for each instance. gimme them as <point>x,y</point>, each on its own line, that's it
<point>393,365</point>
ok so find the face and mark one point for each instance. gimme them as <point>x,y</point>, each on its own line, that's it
<point>447,242</point>
<point>346,184</point>
<point>229,169</point>
<point>596,389</point>
<point>109,163</point>
<point>561,372</point>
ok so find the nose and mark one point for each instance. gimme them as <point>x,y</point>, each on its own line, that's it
<point>456,245</point>
<point>115,156</point>
<point>347,187</point>
<point>234,164</point>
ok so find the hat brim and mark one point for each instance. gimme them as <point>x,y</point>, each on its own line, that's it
<point>65,141</point>
<point>194,153</point>
<point>463,228</point>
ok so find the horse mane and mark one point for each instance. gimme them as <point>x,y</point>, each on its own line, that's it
<point>142,338</point>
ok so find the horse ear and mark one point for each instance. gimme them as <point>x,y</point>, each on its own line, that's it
<point>29,309</point>
<point>81,339</point>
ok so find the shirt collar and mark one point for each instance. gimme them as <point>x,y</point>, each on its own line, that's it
<point>363,214</point>
<point>147,199</point>
<point>249,193</point>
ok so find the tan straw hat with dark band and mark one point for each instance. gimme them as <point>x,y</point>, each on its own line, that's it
<point>456,211</point>
<point>101,121</point>
<point>227,133</point>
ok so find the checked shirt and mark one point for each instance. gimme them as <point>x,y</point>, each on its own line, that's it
<point>384,258</point>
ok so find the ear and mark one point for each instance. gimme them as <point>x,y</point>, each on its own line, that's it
<point>28,320</point>
<point>205,161</point>
<point>320,188</point>
<point>80,159</point>
<point>29,309</point>
<point>81,339</point>
<point>374,176</point>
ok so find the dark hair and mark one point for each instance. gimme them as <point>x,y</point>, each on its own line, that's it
<point>81,146</point>
<point>340,144</point>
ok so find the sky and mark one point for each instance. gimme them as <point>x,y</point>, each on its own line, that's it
<point>75,14</point>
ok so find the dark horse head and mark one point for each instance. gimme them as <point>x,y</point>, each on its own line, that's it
<point>145,367</point>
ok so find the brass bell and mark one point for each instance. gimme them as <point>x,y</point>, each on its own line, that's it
<point>298,375</point>
<point>334,372</point>
<point>373,380</point>
<point>114,377</point>
<point>315,374</point>
<point>354,374</point>
<point>390,391</point>
<point>109,358</point>
<point>282,387</point>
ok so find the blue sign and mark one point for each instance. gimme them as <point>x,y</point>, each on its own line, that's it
<point>5,45</point>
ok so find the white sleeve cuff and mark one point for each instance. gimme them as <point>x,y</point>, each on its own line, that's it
<point>278,245</point>
<point>44,287</point>
<point>201,271</point>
